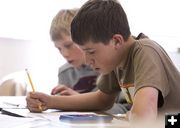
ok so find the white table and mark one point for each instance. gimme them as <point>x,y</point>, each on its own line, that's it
<point>47,119</point>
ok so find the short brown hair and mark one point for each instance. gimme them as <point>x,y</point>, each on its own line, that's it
<point>61,23</point>
<point>98,21</point>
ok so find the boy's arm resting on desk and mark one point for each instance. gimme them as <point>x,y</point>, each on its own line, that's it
<point>144,106</point>
<point>63,90</point>
<point>82,102</point>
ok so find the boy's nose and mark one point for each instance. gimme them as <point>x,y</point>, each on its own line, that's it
<point>90,62</point>
<point>65,53</point>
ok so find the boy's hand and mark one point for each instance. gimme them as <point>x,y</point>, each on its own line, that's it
<point>38,102</point>
<point>63,90</point>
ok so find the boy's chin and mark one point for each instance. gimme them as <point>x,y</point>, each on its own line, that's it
<point>75,64</point>
<point>103,72</point>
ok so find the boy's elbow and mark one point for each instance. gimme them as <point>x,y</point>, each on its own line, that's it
<point>107,101</point>
<point>109,105</point>
<point>105,106</point>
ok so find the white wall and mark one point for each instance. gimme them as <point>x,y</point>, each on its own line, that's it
<point>40,57</point>
<point>30,19</point>
<point>13,55</point>
<point>159,19</point>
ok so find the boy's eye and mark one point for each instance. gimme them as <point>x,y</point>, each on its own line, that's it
<point>90,52</point>
<point>68,46</point>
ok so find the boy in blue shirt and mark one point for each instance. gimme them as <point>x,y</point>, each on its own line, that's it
<point>75,76</point>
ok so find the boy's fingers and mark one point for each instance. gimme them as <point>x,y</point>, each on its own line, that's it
<point>37,110</point>
<point>36,107</point>
<point>65,92</point>
<point>35,95</point>
<point>59,89</point>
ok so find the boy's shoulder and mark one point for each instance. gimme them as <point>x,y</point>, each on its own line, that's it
<point>143,40</point>
<point>66,67</point>
<point>146,42</point>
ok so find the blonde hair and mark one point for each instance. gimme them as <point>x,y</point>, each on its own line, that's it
<point>61,23</point>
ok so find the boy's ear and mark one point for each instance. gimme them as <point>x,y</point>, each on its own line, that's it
<point>117,41</point>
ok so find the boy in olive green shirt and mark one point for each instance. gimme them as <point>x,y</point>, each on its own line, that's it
<point>143,70</point>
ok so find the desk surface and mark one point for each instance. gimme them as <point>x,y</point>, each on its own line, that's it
<point>49,118</point>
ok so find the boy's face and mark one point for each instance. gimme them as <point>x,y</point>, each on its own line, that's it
<point>102,58</point>
<point>70,51</point>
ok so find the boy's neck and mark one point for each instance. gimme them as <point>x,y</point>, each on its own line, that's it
<point>128,45</point>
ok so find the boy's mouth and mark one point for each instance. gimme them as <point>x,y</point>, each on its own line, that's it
<point>70,61</point>
<point>97,69</point>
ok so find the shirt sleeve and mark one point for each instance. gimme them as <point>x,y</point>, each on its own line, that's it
<point>149,70</point>
<point>65,77</point>
<point>108,83</point>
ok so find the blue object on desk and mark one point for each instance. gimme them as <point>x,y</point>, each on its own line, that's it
<point>85,118</point>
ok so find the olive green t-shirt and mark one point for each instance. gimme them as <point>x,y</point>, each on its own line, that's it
<point>147,65</point>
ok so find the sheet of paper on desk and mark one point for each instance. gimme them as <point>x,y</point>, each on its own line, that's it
<point>50,118</point>
<point>12,122</point>
<point>12,102</point>
<point>33,120</point>
<point>9,105</point>
<point>27,113</point>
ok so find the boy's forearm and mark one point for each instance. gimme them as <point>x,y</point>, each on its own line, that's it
<point>82,102</point>
<point>144,109</point>
<point>143,115</point>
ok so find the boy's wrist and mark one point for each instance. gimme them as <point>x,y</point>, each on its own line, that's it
<point>52,101</point>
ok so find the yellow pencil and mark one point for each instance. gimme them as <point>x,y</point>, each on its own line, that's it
<point>30,80</point>
<point>31,83</point>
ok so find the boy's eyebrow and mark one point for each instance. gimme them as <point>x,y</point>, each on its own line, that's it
<point>69,42</point>
<point>87,49</point>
